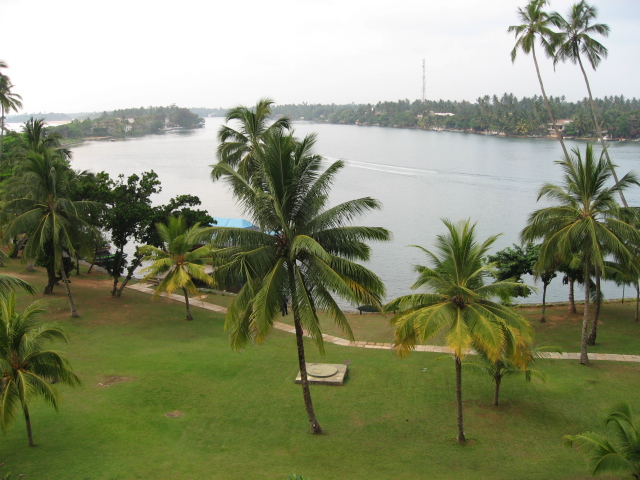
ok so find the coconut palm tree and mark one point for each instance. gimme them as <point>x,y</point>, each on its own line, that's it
<point>306,252</point>
<point>459,304</point>
<point>535,26</point>
<point>37,206</point>
<point>27,365</point>
<point>237,147</point>
<point>180,260</point>
<point>584,220</point>
<point>37,138</point>
<point>8,100</point>
<point>604,456</point>
<point>575,38</point>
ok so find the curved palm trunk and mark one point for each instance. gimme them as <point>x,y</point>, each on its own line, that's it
<point>304,381</point>
<point>584,358</point>
<point>27,420</point>
<point>462,440</point>
<point>599,130</point>
<point>547,105</point>
<point>137,260</point>
<point>572,298</point>
<point>72,305</point>
<point>594,327</point>
<point>186,301</point>
<point>52,279</point>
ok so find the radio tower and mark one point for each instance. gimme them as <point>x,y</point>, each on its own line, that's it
<point>424,83</point>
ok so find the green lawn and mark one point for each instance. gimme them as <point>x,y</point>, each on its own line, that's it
<point>243,417</point>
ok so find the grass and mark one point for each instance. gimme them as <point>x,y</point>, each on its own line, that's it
<point>243,416</point>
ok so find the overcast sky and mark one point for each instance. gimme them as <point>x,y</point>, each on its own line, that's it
<point>81,55</point>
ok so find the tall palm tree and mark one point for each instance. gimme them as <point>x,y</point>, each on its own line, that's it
<point>574,38</point>
<point>27,365</point>
<point>604,456</point>
<point>306,251</point>
<point>8,100</point>
<point>238,147</point>
<point>584,219</point>
<point>37,138</point>
<point>181,260</point>
<point>37,206</point>
<point>459,303</point>
<point>535,26</point>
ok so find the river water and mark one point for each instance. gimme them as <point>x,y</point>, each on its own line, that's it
<point>420,177</point>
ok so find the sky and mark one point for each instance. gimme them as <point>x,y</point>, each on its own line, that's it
<point>81,56</point>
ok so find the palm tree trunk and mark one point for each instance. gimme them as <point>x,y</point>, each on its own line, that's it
<point>544,302</point>
<point>304,381</point>
<point>599,131</point>
<point>1,128</point>
<point>496,391</point>
<point>594,328</point>
<point>186,301</point>
<point>547,105</point>
<point>584,358</point>
<point>637,301</point>
<point>572,298</point>
<point>72,306</point>
<point>27,420</point>
<point>462,440</point>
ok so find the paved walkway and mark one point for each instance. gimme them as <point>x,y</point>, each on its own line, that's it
<point>380,345</point>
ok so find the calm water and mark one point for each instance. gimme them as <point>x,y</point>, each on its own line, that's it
<point>420,177</point>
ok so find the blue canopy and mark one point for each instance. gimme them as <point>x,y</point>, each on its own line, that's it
<point>233,223</point>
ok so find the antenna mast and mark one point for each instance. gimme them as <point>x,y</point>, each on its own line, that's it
<point>424,82</point>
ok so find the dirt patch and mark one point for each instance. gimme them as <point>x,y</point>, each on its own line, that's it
<point>174,414</point>
<point>112,380</point>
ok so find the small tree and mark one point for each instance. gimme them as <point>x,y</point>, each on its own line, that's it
<point>180,260</point>
<point>28,368</point>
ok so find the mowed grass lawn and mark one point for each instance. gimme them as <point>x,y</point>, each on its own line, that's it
<point>242,416</point>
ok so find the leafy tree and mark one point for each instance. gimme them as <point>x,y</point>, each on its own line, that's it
<point>604,455</point>
<point>584,220</point>
<point>8,101</point>
<point>573,38</point>
<point>512,263</point>
<point>180,261</point>
<point>535,26</point>
<point>459,303</point>
<point>306,251</point>
<point>129,212</point>
<point>37,206</point>
<point>28,366</point>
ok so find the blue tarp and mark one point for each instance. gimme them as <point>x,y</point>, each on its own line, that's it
<point>232,222</point>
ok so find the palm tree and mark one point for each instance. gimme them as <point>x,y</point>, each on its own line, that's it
<point>459,303</point>
<point>37,206</point>
<point>238,147</point>
<point>181,259</point>
<point>504,367</point>
<point>8,100</point>
<point>37,138</point>
<point>28,366</point>
<point>573,38</point>
<point>585,219</point>
<point>604,456</point>
<point>535,24</point>
<point>306,251</point>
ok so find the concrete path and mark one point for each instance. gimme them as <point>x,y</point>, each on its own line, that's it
<point>613,357</point>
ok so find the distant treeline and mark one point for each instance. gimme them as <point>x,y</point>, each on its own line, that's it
<point>620,117</point>
<point>131,121</point>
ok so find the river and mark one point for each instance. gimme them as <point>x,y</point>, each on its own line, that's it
<point>420,177</point>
